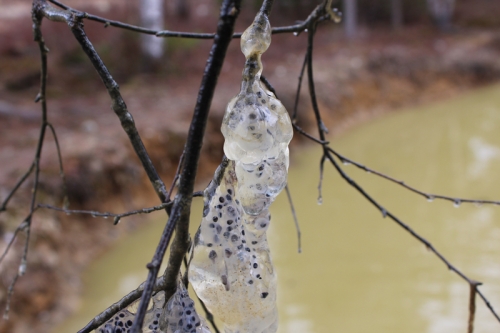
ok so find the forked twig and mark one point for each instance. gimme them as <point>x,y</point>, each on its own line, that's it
<point>428,196</point>
<point>26,224</point>
<point>296,28</point>
<point>61,169</point>
<point>16,187</point>
<point>295,220</point>
<point>117,216</point>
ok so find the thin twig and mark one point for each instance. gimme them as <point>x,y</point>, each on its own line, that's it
<point>309,136</point>
<point>472,305</point>
<point>320,184</point>
<point>297,227</point>
<point>296,28</point>
<point>16,187</point>
<point>299,85</point>
<point>61,169</point>
<point>268,85</point>
<point>10,291</point>
<point>176,176</point>
<point>488,304</point>
<point>21,227</point>
<point>428,196</point>
<point>209,316</point>
<point>310,80</point>
<point>117,216</point>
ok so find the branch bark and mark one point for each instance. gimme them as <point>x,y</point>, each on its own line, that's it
<point>179,218</point>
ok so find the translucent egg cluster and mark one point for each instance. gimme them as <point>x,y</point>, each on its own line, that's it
<point>177,316</point>
<point>123,320</point>
<point>257,128</point>
<point>231,268</point>
<point>180,315</point>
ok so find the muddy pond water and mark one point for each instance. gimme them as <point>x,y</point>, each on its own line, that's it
<point>360,272</point>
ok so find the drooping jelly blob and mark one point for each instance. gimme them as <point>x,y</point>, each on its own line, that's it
<point>256,126</point>
<point>231,268</point>
<point>180,315</point>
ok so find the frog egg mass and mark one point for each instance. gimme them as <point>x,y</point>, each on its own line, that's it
<point>231,268</point>
<point>257,128</point>
<point>178,315</point>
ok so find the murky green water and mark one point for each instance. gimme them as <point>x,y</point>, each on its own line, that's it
<point>358,271</point>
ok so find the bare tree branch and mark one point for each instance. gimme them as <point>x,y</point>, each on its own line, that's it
<point>73,19</point>
<point>119,107</point>
<point>327,154</point>
<point>26,224</point>
<point>182,202</point>
<point>61,169</point>
<point>16,187</point>
<point>428,196</point>
<point>319,15</point>
<point>472,305</point>
<point>117,217</point>
<point>299,85</point>
<point>295,220</point>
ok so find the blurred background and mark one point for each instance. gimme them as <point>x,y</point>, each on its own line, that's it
<point>397,82</point>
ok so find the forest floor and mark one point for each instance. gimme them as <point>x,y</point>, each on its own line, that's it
<point>379,72</point>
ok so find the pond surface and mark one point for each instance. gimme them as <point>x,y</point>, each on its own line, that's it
<point>358,271</point>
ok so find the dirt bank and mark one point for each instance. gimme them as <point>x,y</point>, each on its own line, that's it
<point>379,72</point>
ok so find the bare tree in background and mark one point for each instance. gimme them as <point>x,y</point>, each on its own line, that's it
<point>441,12</point>
<point>182,8</point>
<point>350,18</point>
<point>396,14</point>
<point>152,47</point>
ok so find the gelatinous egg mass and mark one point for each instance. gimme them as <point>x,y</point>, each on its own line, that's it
<point>180,315</point>
<point>257,128</point>
<point>123,320</point>
<point>231,268</point>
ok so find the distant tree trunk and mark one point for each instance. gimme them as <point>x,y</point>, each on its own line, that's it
<point>441,12</point>
<point>181,8</point>
<point>396,14</point>
<point>350,17</point>
<point>152,47</point>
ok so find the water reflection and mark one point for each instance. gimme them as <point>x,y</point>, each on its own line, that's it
<point>358,271</point>
<point>484,153</point>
